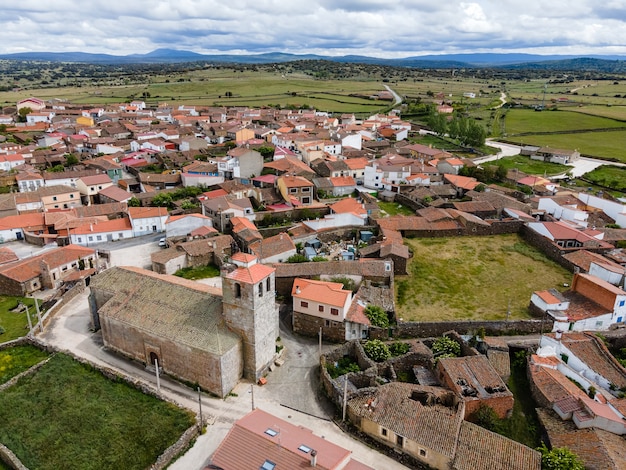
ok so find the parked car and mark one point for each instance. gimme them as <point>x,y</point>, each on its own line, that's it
<point>163,242</point>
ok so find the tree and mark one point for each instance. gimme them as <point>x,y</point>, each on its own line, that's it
<point>134,202</point>
<point>501,173</point>
<point>376,350</point>
<point>559,458</point>
<point>71,160</point>
<point>23,112</point>
<point>162,200</point>
<point>377,316</point>
<point>297,258</point>
<point>57,169</point>
<point>445,347</point>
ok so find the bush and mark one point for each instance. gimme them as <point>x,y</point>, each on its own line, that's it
<point>559,458</point>
<point>377,316</point>
<point>297,258</point>
<point>446,347</point>
<point>398,348</point>
<point>341,367</point>
<point>376,350</point>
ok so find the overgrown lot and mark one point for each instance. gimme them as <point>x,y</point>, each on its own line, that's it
<point>14,361</point>
<point>15,325</point>
<point>473,278</point>
<point>67,415</point>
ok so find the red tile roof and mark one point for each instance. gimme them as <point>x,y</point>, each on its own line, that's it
<point>114,225</point>
<point>251,275</point>
<point>330,293</point>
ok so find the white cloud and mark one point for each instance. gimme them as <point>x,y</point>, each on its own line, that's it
<point>333,27</point>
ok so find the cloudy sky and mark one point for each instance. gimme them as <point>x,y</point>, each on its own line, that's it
<point>332,27</point>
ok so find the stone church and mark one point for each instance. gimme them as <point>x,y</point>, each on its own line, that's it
<point>197,333</point>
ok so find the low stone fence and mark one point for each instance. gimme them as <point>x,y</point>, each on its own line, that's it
<point>492,328</point>
<point>163,460</point>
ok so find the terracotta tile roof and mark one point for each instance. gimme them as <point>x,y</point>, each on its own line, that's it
<point>173,308</point>
<point>205,245</point>
<point>463,182</point>
<point>22,221</point>
<point>341,181</point>
<point>116,193</point>
<point>592,351</point>
<point>434,427</point>
<point>358,163</point>
<point>598,449</point>
<point>248,445</point>
<point>147,212</point>
<point>252,274</point>
<point>330,293</point>
<point>96,179</point>
<point>29,268</point>
<point>476,372</point>
<point>175,218</point>
<point>272,246</point>
<point>202,231</point>
<point>295,181</point>
<point>548,297</point>
<point>479,449</point>
<point>103,226</point>
<point>552,384</point>
<point>580,307</point>
<point>348,205</point>
<point>7,255</point>
<point>242,223</point>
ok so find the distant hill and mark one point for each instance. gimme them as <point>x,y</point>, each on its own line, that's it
<point>478,60</point>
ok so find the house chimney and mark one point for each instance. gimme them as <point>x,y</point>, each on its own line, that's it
<point>298,290</point>
<point>558,335</point>
<point>313,458</point>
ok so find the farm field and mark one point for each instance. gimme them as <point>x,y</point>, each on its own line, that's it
<point>608,176</point>
<point>529,121</point>
<point>473,278</point>
<point>67,415</point>
<point>532,167</point>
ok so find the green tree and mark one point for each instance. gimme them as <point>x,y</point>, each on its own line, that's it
<point>559,458</point>
<point>266,151</point>
<point>22,113</point>
<point>162,200</point>
<point>297,258</point>
<point>398,348</point>
<point>71,160</point>
<point>134,202</point>
<point>187,205</point>
<point>376,350</point>
<point>446,347</point>
<point>501,173</point>
<point>57,169</point>
<point>377,316</point>
<point>438,123</point>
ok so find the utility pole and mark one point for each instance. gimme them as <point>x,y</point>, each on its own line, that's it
<point>200,407</point>
<point>156,368</point>
<point>30,324</point>
<point>38,315</point>
<point>345,396</point>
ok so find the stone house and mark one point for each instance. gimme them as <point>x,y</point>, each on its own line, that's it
<point>200,252</point>
<point>474,379</point>
<point>276,249</point>
<point>46,271</point>
<point>194,332</point>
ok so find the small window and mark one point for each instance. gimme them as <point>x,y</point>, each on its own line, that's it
<point>326,323</point>
<point>237,290</point>
<point>422,453</point>
<point>334,311</point>
<point>599,324</point>
<point>293,190</point>
<point>271,432</point>
<point>304,449</point>
<point>268,286</point>
<point>400,441</point>
<point>260,289</point>
<point>321,308</point>
<point>99,237</point>
<point>54,198</point>
<point>268,465</point>
<point>90,238</point>
<point>622,303</point>
<point>306,190</point>
<point>304,304</point>
<point>71,196</point>
<point>383,432</point>
<point>80,240</point>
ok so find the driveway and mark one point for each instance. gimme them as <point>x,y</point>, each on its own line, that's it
<point>292,387</point>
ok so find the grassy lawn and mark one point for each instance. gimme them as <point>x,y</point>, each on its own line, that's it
<point>473,278</point>
<point>532,167</point>
<point>69,416</point>
<point>530,121</point>
<point>15,324</point>
<point>199,272</point>
<point>394,208</point>
<point>14,361</point>
<point>611,176</point>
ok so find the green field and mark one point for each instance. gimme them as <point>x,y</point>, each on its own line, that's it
<point>532,167</point>
<point>473,278</point>
<point>394,208</point>
<point>530,121</point>
<point>15,324</point>
<point>15,360</point>
<point>68,415</point>
<point>608,176</point>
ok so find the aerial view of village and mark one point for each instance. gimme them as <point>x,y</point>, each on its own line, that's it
<point>282,261</point>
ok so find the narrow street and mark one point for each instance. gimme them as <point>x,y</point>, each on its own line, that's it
<point>291,387</point>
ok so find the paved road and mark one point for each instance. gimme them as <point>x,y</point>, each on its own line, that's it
<point>397,98</point>
<point>295,384</point>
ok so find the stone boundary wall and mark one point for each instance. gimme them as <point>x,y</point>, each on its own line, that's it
<point>10,459</point>
<point>166,457</point>
<point>492,328</point>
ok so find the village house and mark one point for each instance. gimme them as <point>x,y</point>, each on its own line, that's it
<point>47,270</point>
<point>90,187</point>
<point>146,220</point>
<point>320,304</point>
<point>474,379</point>
<point>264,441</point>
<point>591,304</point>
<point>199,251</point>
<point>276,249</point>
<point>295,190</point>
<point>99,231</point>
<point>183,225</point>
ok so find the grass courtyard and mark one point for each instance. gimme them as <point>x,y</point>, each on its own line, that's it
<point>473,278</point>
<point>68,415</point>
<point>14,324</point>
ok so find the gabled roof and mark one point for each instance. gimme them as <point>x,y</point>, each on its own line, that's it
<point>104,226</point>
<point>147,212</point>
<point>348,205</point>
<point>272,246</point>
<point>330,293</point>
<point>251,274</point>
<point>102,178</point>
<point>260,436</point>
<point>29,268</point>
